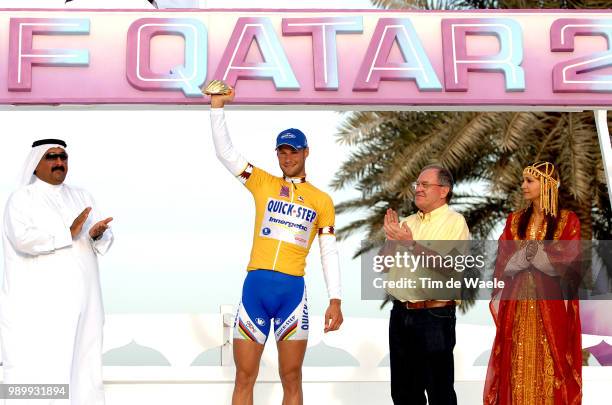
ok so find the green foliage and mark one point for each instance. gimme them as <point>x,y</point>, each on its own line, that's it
<point>484,151</point>
<point>487,149</point>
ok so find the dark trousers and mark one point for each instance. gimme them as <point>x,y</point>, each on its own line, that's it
<point>421,343</point>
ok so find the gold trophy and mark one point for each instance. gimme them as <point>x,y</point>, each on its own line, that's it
<point>217,87</point>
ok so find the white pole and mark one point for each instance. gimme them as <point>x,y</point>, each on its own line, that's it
<point>601,121</point>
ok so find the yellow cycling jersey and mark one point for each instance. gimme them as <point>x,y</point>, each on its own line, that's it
<point>288,216</point>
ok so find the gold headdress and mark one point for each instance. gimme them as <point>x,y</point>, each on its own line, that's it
<point>549,185</point>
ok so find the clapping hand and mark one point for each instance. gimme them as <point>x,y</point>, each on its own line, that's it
<point>393,229</point>
<point>79,221</point>
<point>99,228</point>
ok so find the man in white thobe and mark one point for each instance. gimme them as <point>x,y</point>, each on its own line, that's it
<point>51,313</point>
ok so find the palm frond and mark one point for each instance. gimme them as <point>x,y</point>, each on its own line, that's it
<point>576,143</point>
<point>515,128</point>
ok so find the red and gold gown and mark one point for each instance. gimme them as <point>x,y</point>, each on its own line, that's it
<point>536,357</point>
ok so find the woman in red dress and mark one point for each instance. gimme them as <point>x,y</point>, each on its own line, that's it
<point>537,356</point>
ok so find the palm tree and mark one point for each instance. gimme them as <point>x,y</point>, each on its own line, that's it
<point>487,148</point>
<point>485,151</point>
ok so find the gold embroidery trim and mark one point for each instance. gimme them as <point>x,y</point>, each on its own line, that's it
<point>561,224</point>
<point>514,224</point>
<point>533,373</point>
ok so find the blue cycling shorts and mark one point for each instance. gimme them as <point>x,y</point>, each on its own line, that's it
<point>272,297</point>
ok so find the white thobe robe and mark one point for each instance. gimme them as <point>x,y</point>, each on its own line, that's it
<point>51,313</point>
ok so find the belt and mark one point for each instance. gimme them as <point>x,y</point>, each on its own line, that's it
<point>425,304</point>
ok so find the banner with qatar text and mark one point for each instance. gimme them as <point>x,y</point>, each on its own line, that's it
<point>308,57</point>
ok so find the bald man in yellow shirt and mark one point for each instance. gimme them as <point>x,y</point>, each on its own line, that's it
<point>422,331</point>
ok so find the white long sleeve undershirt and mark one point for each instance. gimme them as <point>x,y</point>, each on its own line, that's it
<point>226,153</point>
<point>236,163</point>
<point>330,262</point>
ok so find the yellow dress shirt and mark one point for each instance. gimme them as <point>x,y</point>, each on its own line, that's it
<point>441,224</point>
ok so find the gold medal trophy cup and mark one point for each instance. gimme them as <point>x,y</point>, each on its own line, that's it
<point>216,87</point>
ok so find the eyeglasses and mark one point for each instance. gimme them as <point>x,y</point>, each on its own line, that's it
<point>63,156</point>
<point>426,186</point>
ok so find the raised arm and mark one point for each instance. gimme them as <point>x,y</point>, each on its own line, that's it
<point>226,153</point>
